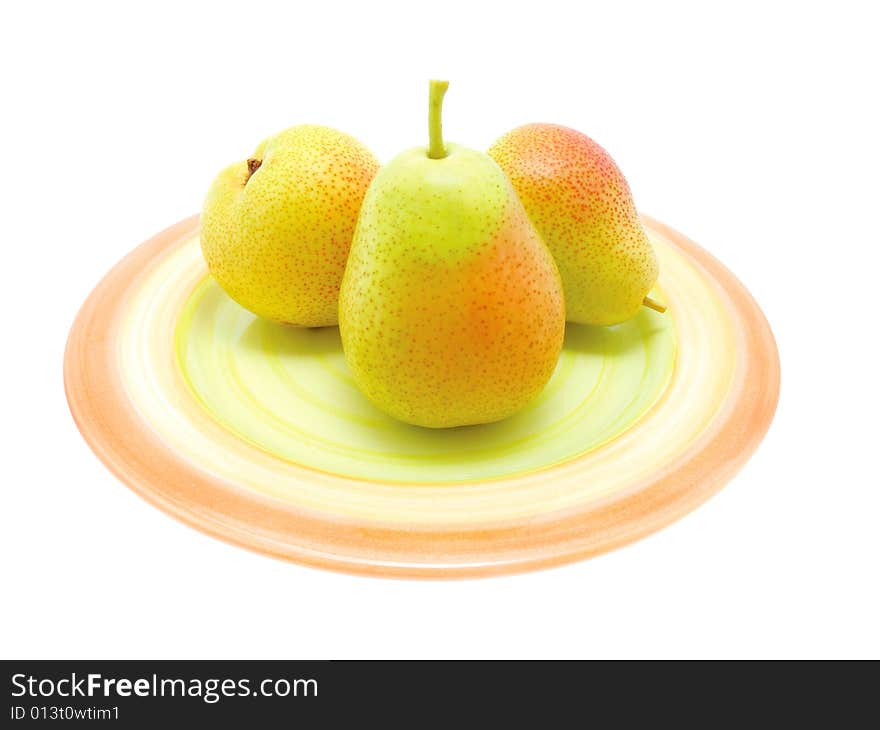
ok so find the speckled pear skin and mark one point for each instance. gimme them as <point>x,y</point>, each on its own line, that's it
<point>581,204</point>
<point>451,310</point>
<point>277,239</point>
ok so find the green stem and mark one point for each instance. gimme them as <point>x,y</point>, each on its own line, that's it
<point>436,91</point>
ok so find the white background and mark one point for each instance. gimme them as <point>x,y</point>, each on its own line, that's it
<point>753,130</point>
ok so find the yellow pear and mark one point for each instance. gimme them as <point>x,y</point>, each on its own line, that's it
<point>277,227</point>
<point>581,204</point>
<point>451,310</point>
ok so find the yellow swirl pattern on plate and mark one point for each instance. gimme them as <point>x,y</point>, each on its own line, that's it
<point>288,391</point>
<point>188,354</point>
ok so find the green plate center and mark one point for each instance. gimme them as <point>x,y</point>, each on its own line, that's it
<point>288,391</point>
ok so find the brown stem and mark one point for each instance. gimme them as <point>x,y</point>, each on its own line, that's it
<point>253,165</point>
<point>654,304</point>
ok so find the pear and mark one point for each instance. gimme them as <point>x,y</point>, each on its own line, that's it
<point>451,310</point>
<point>581,204</point>
<point>276,228</point>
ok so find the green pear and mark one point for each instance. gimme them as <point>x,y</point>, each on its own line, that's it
<point>451,309</point>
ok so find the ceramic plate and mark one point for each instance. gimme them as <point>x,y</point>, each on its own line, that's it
<point>255,432</point>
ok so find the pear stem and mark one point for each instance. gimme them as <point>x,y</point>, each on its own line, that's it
<point>253,164</point>
<point>654,304</point>
<point>436,91</point>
